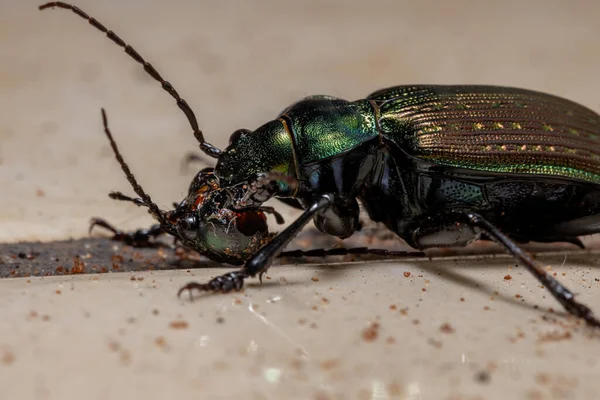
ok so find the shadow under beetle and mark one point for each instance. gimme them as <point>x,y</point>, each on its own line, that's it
<point>440,166</point>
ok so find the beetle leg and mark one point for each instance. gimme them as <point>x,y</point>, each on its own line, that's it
<point>261,260</point>
<point>139,238</point>
<point>273,212</point>
<point>342,251</point>
<point>564,296</point>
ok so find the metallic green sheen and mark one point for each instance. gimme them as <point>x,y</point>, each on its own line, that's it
<point>495,129</point>
<point>268,148</point>
<point>325,127</point>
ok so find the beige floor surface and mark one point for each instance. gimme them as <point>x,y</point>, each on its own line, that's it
<point>361,331</point>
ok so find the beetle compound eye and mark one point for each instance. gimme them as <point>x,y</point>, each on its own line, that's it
<point>250,223</point>
<point>236,135</point>
<point>188,227</point>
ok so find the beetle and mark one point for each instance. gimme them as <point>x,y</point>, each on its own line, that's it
<point>440,166</point>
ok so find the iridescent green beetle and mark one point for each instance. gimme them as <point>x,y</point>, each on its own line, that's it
<point>438,165</point>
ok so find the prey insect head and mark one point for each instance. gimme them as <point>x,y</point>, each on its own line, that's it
<point>207,222</point>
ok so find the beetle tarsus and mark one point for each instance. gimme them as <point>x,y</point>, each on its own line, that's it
<point>224,283</point>
<point>140,238</point>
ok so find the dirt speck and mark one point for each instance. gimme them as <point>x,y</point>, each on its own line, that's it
<point>161,342</point>
<point>390,340</point>
<point>407,274</point>
<point>8,357</point>
<point>395,389</point>
<point>221,320</point>
<point>58,291</point>
<point>40,193</point>
<point>78,266</point>
<point>435,343</point>
<point>507,277</point>
<point>446,328</point>
<point>328,365</point>
<point>155,311</point>
<point>125,357</point>
<point>114,346</point>
<point>371,333</point>
<point>179,324</point>
<point>542,379</point>
<point>393,307</point>
<point>482,377</point>
<point>315,279</point>
<point>554,337</point>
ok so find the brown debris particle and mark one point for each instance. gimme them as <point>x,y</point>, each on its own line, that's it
<point>125,357</point>
<point>155,311</point>
<point>406,274</point>
<point>78,266</point>
<point>423,290</point>
<point>370,334</point>
<point>446,328</point>
<point>8,357</point>
<point>482,377</point>
<point>393,307</point>
<point>45,317</point>
<point>435,343</point>
<point>40,193</point>
<point>315,279</point>
<point>328,365</point>
<point>114,346</point>
<point>116,258</point>
<point>302,321</point>
<point>58,291</point>
<point>542,379</point>
<point>554,337</point>
<point>507,277</point>
<point>161,342</point>
<point>180,324</point>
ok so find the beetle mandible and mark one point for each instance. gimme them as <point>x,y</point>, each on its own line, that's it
<point>438,165</point>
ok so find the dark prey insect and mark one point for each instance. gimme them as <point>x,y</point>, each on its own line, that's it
<point>440,166</point>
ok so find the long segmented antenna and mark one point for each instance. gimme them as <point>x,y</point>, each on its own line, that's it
<point>206,147</point>
<point>146,199</point>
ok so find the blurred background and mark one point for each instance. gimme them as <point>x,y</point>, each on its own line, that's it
<point>238,63</point>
